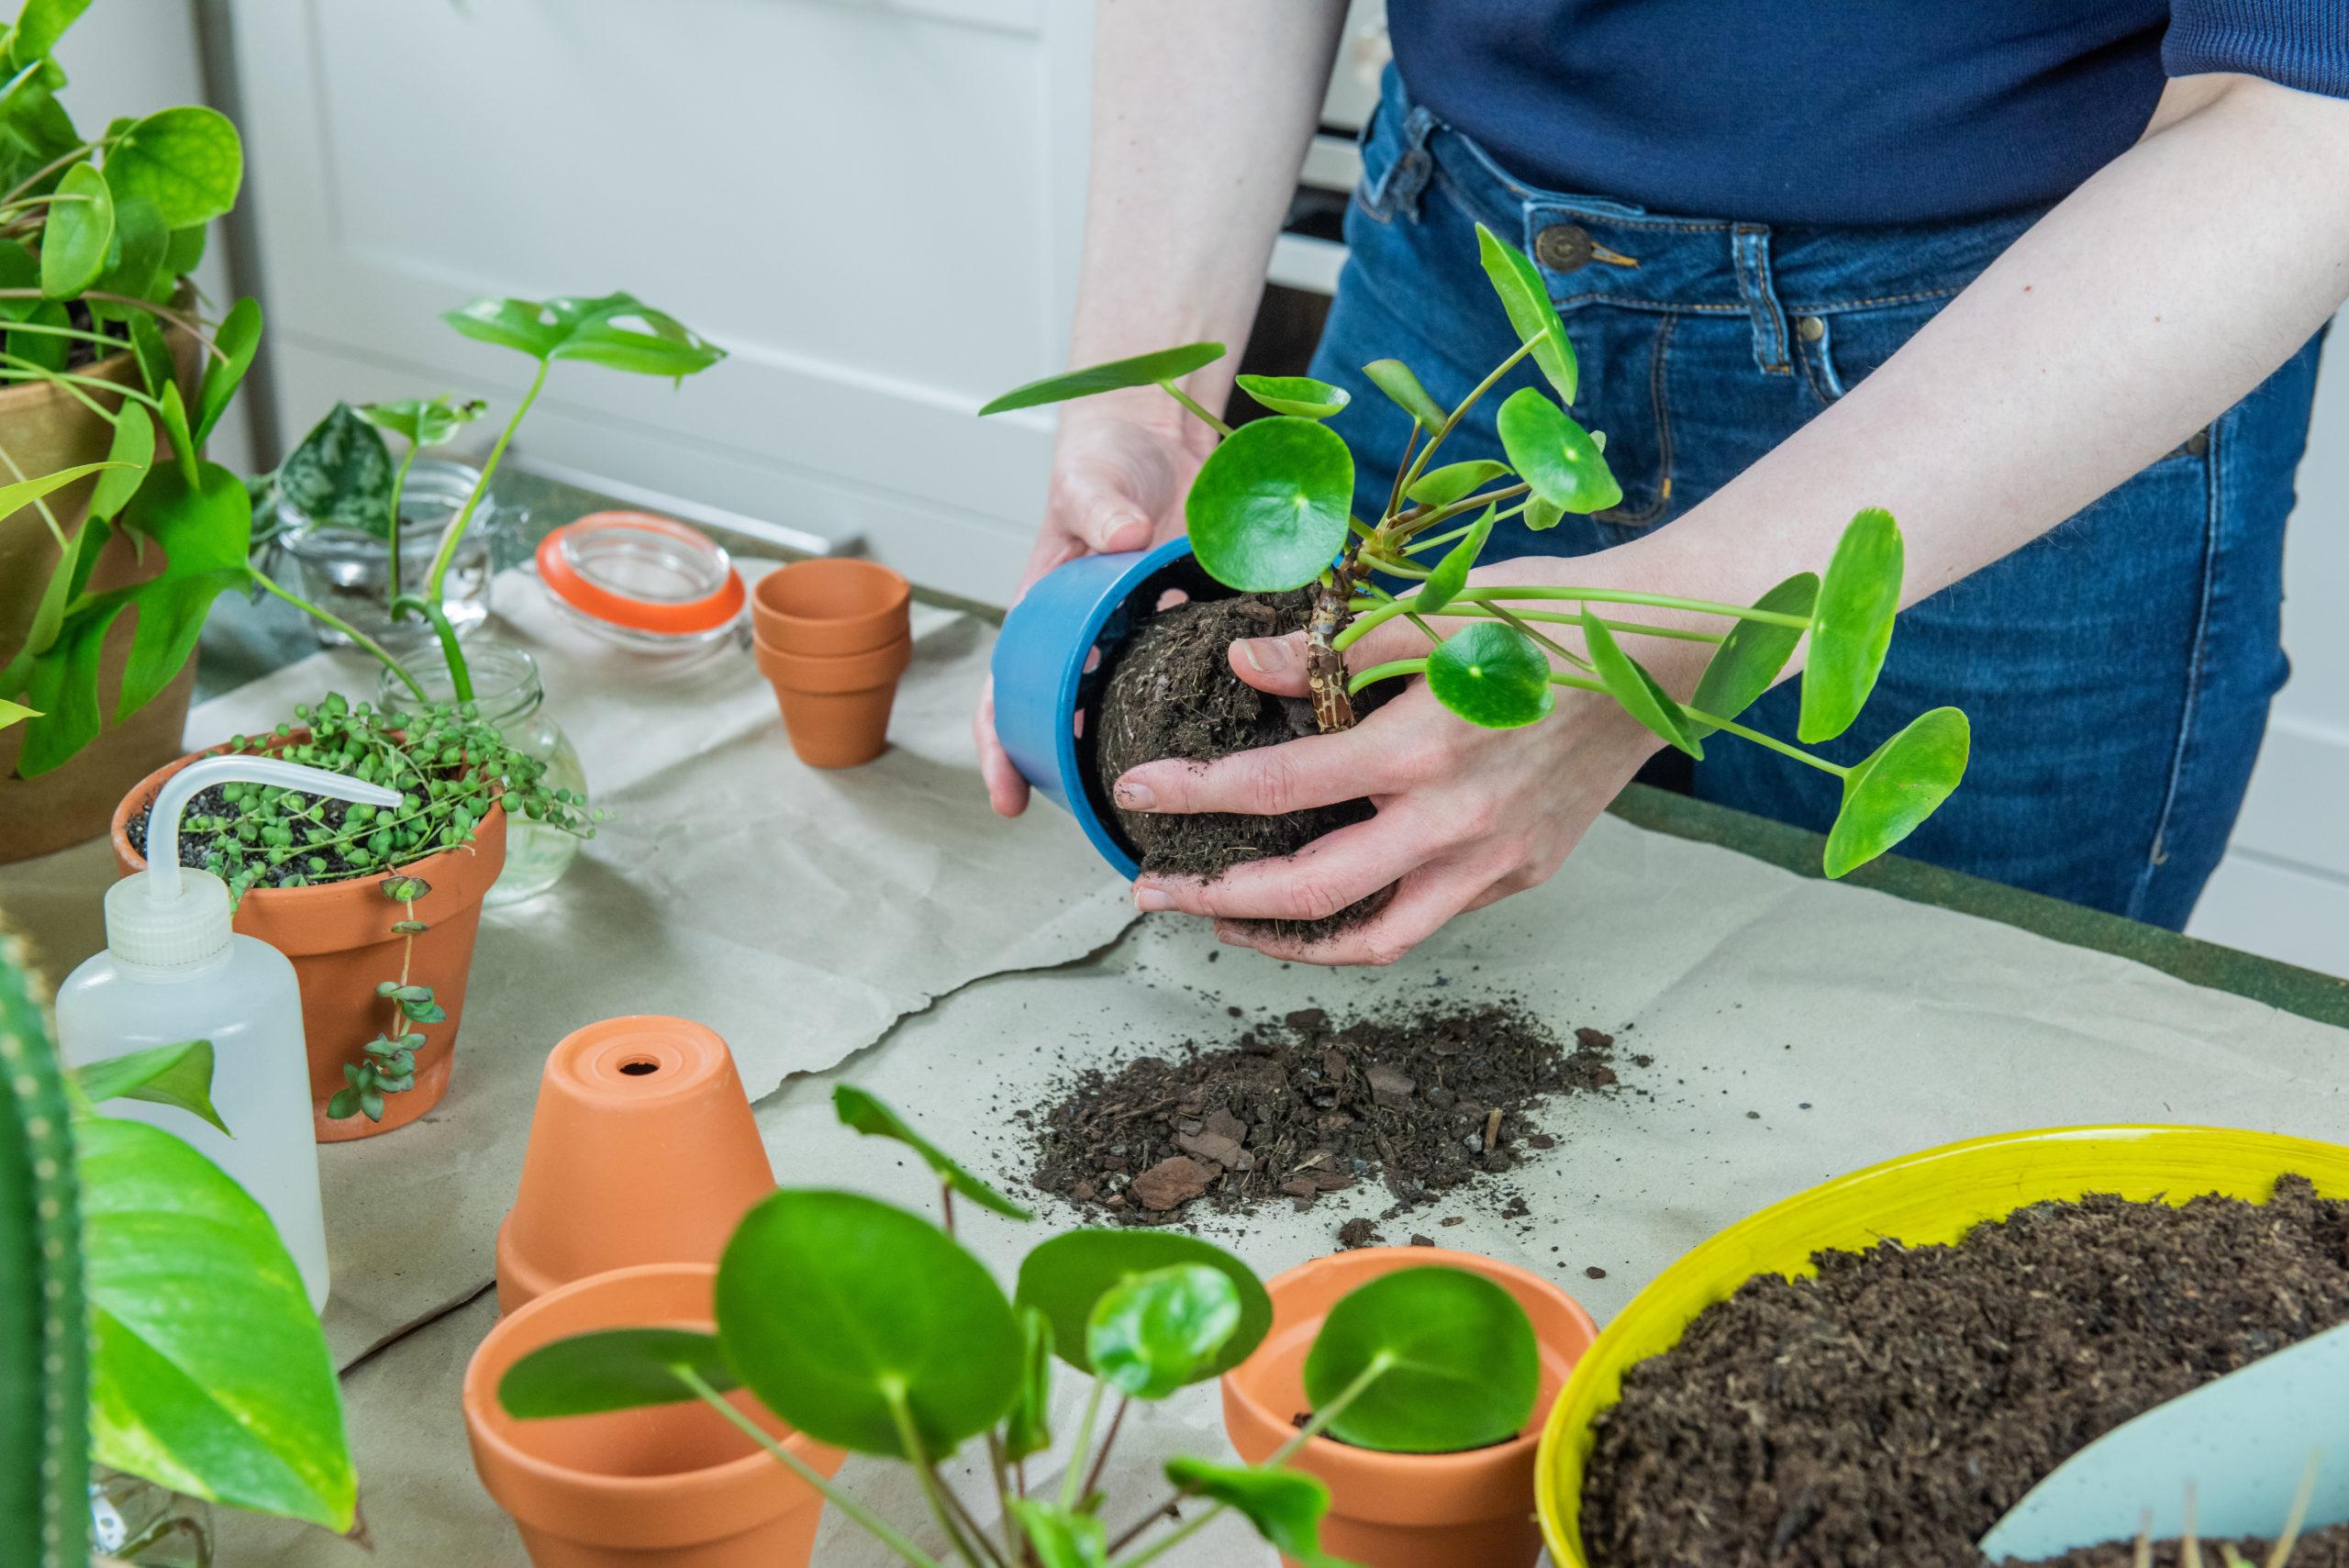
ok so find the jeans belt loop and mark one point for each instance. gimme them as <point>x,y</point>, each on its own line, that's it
<point>1750,243</point>
<point>1413,168</point>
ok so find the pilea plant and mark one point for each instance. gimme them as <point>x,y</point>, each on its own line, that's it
<point>816,1318</point>
<point>1272,510</point>
<point>451,767</point>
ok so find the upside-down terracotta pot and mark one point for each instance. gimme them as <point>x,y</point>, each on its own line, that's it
<point>836,706</point>
<point>1404,1510</point>
<point>671,1486</point>
<point>341,940</point>
<point>831,606</point>
<point>642,1151</point>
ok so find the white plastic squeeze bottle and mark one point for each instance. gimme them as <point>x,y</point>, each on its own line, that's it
<point>173,970</point>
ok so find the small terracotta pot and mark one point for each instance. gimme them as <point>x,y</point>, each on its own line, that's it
<point>1404,1510</point>
<point>671,1487</point>
<point>642,1151</point>
<point>830,607</point>
<point>836,707</point>
<point>339,939</point>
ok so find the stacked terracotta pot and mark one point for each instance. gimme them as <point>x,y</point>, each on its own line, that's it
<point>833,636</point>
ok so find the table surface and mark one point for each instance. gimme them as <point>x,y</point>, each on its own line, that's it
<point>396,1389</point>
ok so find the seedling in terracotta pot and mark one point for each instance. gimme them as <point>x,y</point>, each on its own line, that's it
<point>1271,512</point>
<point>452,769</point>
<point>816,1318</point>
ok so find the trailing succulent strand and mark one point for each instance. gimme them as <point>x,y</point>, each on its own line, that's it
<point>44,1326</point>
<point>1272,510</point>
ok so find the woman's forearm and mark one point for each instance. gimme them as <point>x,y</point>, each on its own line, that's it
<point>1202,110</point>
<point>2135,313</point>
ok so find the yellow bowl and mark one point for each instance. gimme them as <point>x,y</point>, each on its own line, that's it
<point>1920,1199</point>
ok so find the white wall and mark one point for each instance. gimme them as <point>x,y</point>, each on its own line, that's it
<point>2284,888</point>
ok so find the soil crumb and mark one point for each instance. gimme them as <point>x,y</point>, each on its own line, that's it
<point>1888,1412</point>
<point>1304,1105</point>
<point>1172,694</point>
<point>2318,1548</point>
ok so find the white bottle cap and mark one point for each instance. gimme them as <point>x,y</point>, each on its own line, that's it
<point>174,916</point>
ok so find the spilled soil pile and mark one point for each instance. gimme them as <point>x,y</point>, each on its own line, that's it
<point>1888,1412</point>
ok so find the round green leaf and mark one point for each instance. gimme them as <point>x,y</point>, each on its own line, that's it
<point>1750,658</point>
<point>1286,1506</point>
<point>1453,481</point>
<point>79,232</point>
<point>1451,574</point>
<point>209,1374</point>
<point>1142,369</point>
<point>1527,300</point>
<point>840,1312</point>
<point>138,265</point>
<point>1555,455</point>
<point>1268,510</point>
<point>177,1075</point>
<point>1629,683</point>
<point>1394,378</point>
<point>187,161</point>
<point>864,1112</point>
<point>1063,1278</point>
<point>612,1369</point>
<point>1851,625</point>
<point>1454,1360</point>
<point>1298,394</point>
<point>1540,515</point>
<point>1903,782</point>
<point>1492,675</point>
<point>238,336</point>
<point>1154,1333</point>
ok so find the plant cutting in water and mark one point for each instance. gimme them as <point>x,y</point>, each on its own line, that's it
<point>452,769</point>
<point>814,1316</point>
<point>1271,511</point>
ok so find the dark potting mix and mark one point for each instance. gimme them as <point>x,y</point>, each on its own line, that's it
<point>1294,1108</point>
<point>1172,694</point>
<point>1888,1412</point>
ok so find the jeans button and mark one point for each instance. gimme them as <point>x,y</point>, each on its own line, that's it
<point>1811,328</point>
<point>1563,247</point>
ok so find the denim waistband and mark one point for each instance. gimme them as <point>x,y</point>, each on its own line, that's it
<point>1592,249</point>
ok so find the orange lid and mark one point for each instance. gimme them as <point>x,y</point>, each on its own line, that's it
<point>642,571</point>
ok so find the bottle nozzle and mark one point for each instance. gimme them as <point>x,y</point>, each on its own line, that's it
<point>163,818</point>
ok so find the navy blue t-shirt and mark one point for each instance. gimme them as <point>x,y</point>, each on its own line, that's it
<point>1836,111</point>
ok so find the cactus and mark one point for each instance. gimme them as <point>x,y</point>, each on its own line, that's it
<point>44,1344</point>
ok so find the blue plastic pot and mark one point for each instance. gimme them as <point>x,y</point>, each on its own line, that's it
<point>1041,684</point>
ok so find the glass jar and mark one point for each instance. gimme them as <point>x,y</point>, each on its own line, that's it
<point>348,572</point>
<point>508,690</point>
<point>136,1522</point>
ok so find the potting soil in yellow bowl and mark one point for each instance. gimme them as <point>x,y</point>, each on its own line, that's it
<point>1920,1199</point>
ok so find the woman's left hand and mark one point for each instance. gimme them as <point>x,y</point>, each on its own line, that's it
<point>1466,816</point>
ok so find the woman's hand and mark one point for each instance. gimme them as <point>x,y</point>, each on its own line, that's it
<point>1466,816</point>
<point>1120,469</point>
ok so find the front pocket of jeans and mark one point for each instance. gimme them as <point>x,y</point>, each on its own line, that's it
<point>1840,348</point>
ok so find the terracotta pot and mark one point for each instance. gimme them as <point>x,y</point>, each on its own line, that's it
<point>673,1486</point>
<point>642,1151</point>
<point>830,607</point>
<point>836,707</point>
<point>339,939</point>
<point>43,430</point>
<point>1402,1510</point>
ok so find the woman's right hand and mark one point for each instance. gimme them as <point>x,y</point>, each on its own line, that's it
<point>1120,468</point>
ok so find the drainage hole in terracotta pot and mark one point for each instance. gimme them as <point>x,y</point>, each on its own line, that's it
<point>640,1068</point>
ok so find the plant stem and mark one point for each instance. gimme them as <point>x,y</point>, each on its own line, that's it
<point>261,580</point>
<point>1378,1368</point>
<point>1187,401</point>
<point>1387,671</point>
<point>392,523</point>
<point>933,1491</point>
<point>1596,595</point>
<point>1411,522</point>
<point>1568,654</point>
<point>946,1200</point>
<point>1452,421</point>
<point>1109,1441</point>
<point>1003,1496</point>
<point>1083,1444</point>
<point>1771,741</point>
<point>1637,629</point>
<point>63,159</point>
<point>20,368</point>
<point>455,533</point>
<point>1395,491</point>
<point>188,325</point>
<point>847,1504</point>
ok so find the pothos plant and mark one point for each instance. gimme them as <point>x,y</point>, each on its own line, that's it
<point>1272,510</point>
<point>816,1317</point>
<point>166,1333</point>
<point>451,767</point>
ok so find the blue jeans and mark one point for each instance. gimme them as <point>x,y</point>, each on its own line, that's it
<point>2117,669</point>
